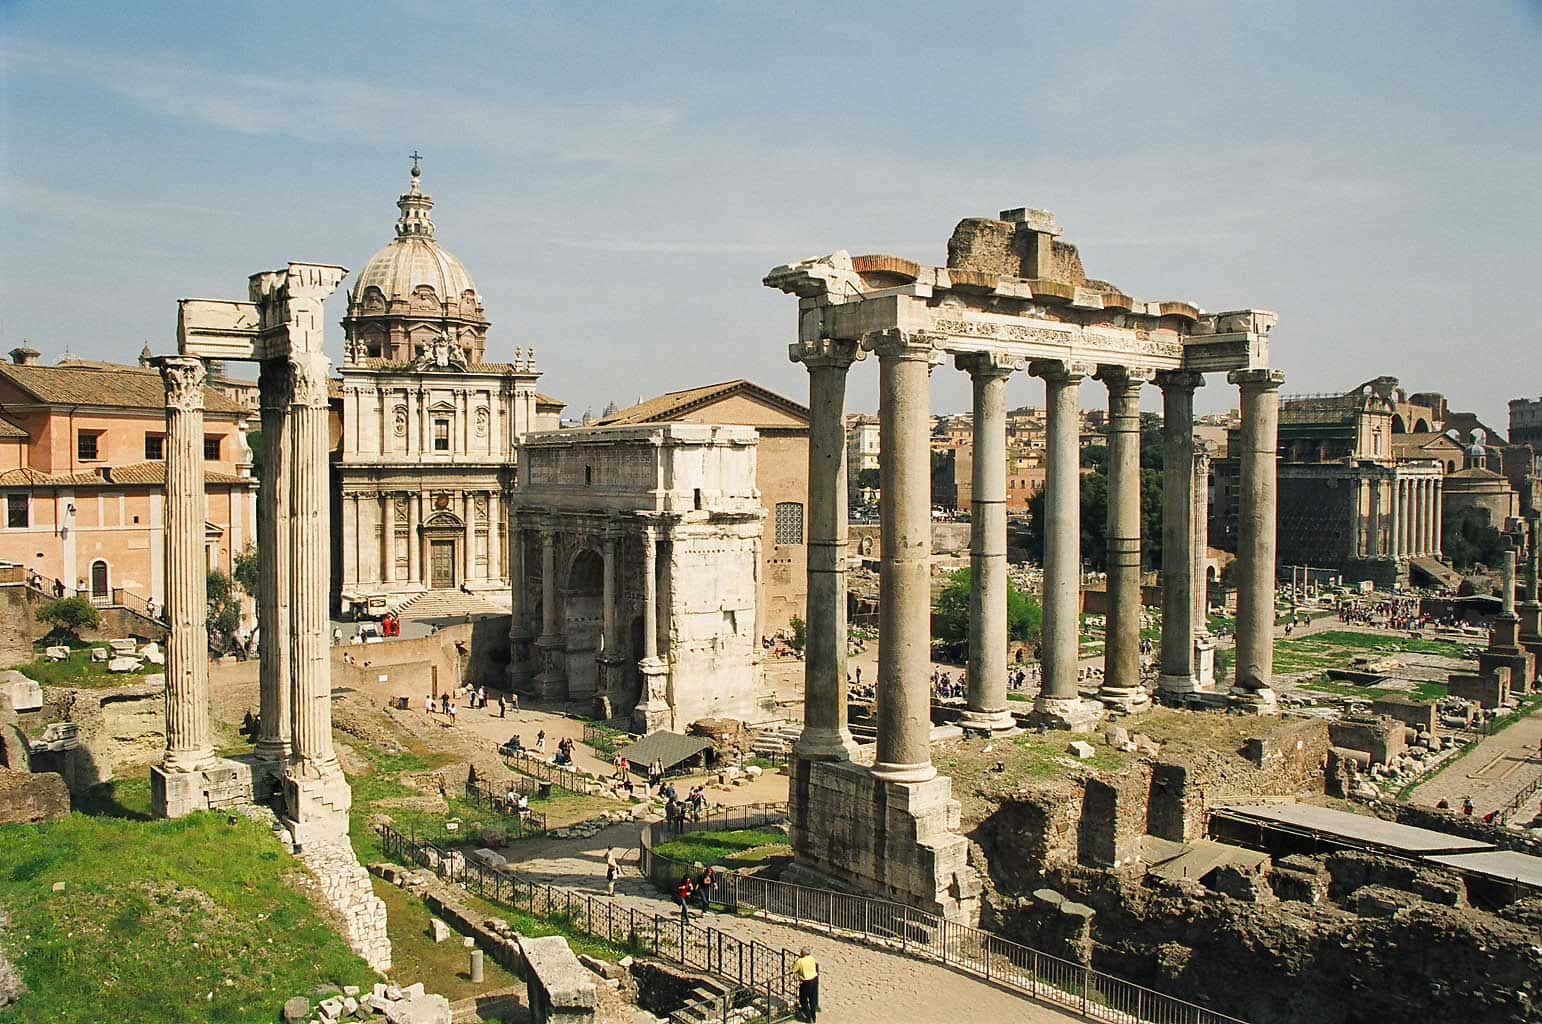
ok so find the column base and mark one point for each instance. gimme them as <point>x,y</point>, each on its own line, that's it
<point>224,782</point>
<point>825,745</point>
<point>1129,699</point>
<point>654,713</point>
<point>1254,702</point>
<point>887,771</point>
<point>316,803</point>
<point>1530,620</point>
<point>1071,713</point>
<point>988,721</point>
<point>897,840</point>
<point>1176,685</point>
<point>1204,662</point>
<point>551,683</point>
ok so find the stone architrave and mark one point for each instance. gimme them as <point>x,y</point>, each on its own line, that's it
<point>987,688</point>
<point>1260,391</point>
<point>273,543</point>
<point>188,746</point>
<point>1121,686</point>
<point>904,583</point>
<point>1060,702</point>
<point>1179,559</point>
<point>826,735</point>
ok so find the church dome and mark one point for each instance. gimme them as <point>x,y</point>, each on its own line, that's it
<point>415,273</point>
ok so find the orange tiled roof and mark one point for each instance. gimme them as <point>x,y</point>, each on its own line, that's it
<point>142,474</point>
<point>124,387</point>
<point>677,403</point>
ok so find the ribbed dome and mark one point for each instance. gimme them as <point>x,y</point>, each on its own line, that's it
<point>414,259</point>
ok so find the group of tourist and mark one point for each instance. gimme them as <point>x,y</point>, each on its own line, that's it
<point>699,889</point>
<point>676,811</point>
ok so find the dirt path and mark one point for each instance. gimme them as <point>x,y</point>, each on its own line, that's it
<point>860,984</point>
<point>1493,772</point>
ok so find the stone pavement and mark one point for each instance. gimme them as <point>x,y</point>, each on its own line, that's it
<point>859,984</point>
<point>1493,772</point>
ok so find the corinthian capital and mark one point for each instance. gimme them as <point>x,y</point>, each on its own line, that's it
<point>1061,371</point>
<point>897,344</point>
<point>826,352</point>
<point>308,379</point>
<point>184,377</point>
<point>988,364</point>
<point>1257,380</point>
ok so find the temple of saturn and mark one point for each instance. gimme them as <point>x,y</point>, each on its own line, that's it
<point>1012,298</point>
<point>281,329</point>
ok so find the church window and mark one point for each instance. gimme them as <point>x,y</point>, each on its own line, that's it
<point>211,448</point>
<point>155,447</point>
<point>16,512</point>
<point>789,522</point>
<point>86,447</point>
<point>441,435</point>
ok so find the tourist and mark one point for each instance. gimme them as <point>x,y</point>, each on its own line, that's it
<point>683,897</point>
<point>540,741</point>
<point>612,871</point>
<point>1467,806</point>
<point>59,589</point>
<point>444,703</point>
<point>452,712</point>
<point>511,799</point>
<point>337,636</point>
<point>501,705</point>
<point>428,703</point>
<point>807,972</point>
<point>704,889</point>
<point>514,701</point>
<point>523,807</point>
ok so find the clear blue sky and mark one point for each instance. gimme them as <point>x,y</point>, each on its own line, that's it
<point>618,177</point>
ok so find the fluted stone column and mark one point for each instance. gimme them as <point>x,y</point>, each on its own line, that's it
<point>550,683</point>
<point>1531,608</point>
<point>388,539</point>
<point>1437,511</point>
<point>610,665</point>
<point>309,511</point>
<point>654,713</point>
<point>1397,517</point>
<point>826,735</point>
<point>1121,685</point>
<point>1260,391</point>
<point>988,639</point>
<point>519,632</point>
<point>1059,700</point>
<point>188,746</point>
<point>1204,643</point>
<point>1178,555</point>
<point>273,543</point>
<point>904,586</point>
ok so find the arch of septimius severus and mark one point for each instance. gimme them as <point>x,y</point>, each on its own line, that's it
<point>1011,299</point>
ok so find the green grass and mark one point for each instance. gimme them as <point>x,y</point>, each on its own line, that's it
<point>607,742</point>
<point>443,967</point>
<point>79,670</point>
<point>1323,684</point>
<point>736,849</point>
<point>118,943</point>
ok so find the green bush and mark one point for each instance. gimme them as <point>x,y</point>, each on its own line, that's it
<point>69,615</point>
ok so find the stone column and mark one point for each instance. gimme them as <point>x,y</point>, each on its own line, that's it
<point>1531,608</point>
<point>654,713</point>
<point>1178,513</point>
<point>388,539</point>
<point>987,710</point>
<point>1121,649</point>
<point>469,523</point>
<point>188,746</point>
<point>826,735</point>
<point>1398,551</point>
<point>273,544</point>
<point>519,632</point>
<point>550,682</point>
<point>414,523</point>
<point>1373,522</point>
<point>1437,485</point>
<point>1429,516</point>
<point>1059,700</point>
<point>1260,391</point>
<point>309,508</point>
<point>1204,644</point>
<point>350,538</point>
<point>610,664</point>
<point>904,583</point>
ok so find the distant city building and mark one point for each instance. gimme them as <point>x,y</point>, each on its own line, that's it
<point>1526,422</point>
<point>83,476</point>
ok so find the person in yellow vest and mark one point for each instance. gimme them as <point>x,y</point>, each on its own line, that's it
<point>807,972</point>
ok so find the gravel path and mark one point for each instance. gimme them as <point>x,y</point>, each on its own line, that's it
<point>859,984</point>
<point>1493,772</point>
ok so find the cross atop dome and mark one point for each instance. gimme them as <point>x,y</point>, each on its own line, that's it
<point>415,205</point>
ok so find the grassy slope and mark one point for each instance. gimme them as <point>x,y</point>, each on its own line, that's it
<point>736,849</point>
<point>79,670</point>
<point>163,921</point>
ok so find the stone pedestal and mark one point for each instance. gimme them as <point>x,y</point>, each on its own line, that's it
<point>613,685</point>
<point>551,652</point>
<point>896,839</point>
<point>316,805</point>
<point>223,782</point>
<point>653,714</point>
<point>1204,662</point>
<point>1071,713</point>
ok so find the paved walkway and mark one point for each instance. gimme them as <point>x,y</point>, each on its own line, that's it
<point>859,984</point>
<point>1493,772</point>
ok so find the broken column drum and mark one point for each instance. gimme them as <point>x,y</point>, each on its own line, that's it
<point>1011,295</point>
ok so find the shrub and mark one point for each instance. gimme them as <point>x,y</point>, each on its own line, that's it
<point>69,615</point>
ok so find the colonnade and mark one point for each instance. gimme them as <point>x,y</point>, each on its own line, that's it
<point>406,512</point>
<point>1415,516</point>
<point>905,361</point>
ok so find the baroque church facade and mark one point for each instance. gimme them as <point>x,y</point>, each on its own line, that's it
<point>429,427</point>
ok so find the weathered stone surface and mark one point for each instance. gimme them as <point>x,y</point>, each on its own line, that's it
<point>297,1008</point>
<point>441,931</point>
<point>57,653</point>
<point>26,798</point>
<point>24,694</point>
<point>124,665</point>
<point>557,981</point>
<point>418,1008</point>
<point>1080,749</point>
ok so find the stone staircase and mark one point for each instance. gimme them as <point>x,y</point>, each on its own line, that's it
<point>707,1002</point>
<point>449,604</point>
<point>774,738</point>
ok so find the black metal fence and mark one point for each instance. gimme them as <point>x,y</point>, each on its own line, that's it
<point>561,776</point>
<point>527,821</point>
<point>904,929</point>
<point>759,977</point>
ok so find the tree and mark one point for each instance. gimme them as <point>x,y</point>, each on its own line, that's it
<point>1468,538</point>
<point>69,615</point>
<point>246,570</point>
<point>224,610</point>
<point>259,452</point>
<point>799,634</point>
<point>867,478</point>
<point>1095,458</point>
<point>950,616</point>
<point>1094,521</point>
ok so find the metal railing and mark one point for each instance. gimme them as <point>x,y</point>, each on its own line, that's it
<point>529,822</point>
<point>904,929</point>
<point>758,976</point>
<point>1524,796</point>
<point>609,735</point>
<point>561,776</point>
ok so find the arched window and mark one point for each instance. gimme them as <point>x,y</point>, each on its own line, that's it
<point>789,522</point>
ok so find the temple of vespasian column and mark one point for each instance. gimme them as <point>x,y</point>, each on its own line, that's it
<point>1012,298</point>
<point>281,329</point>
